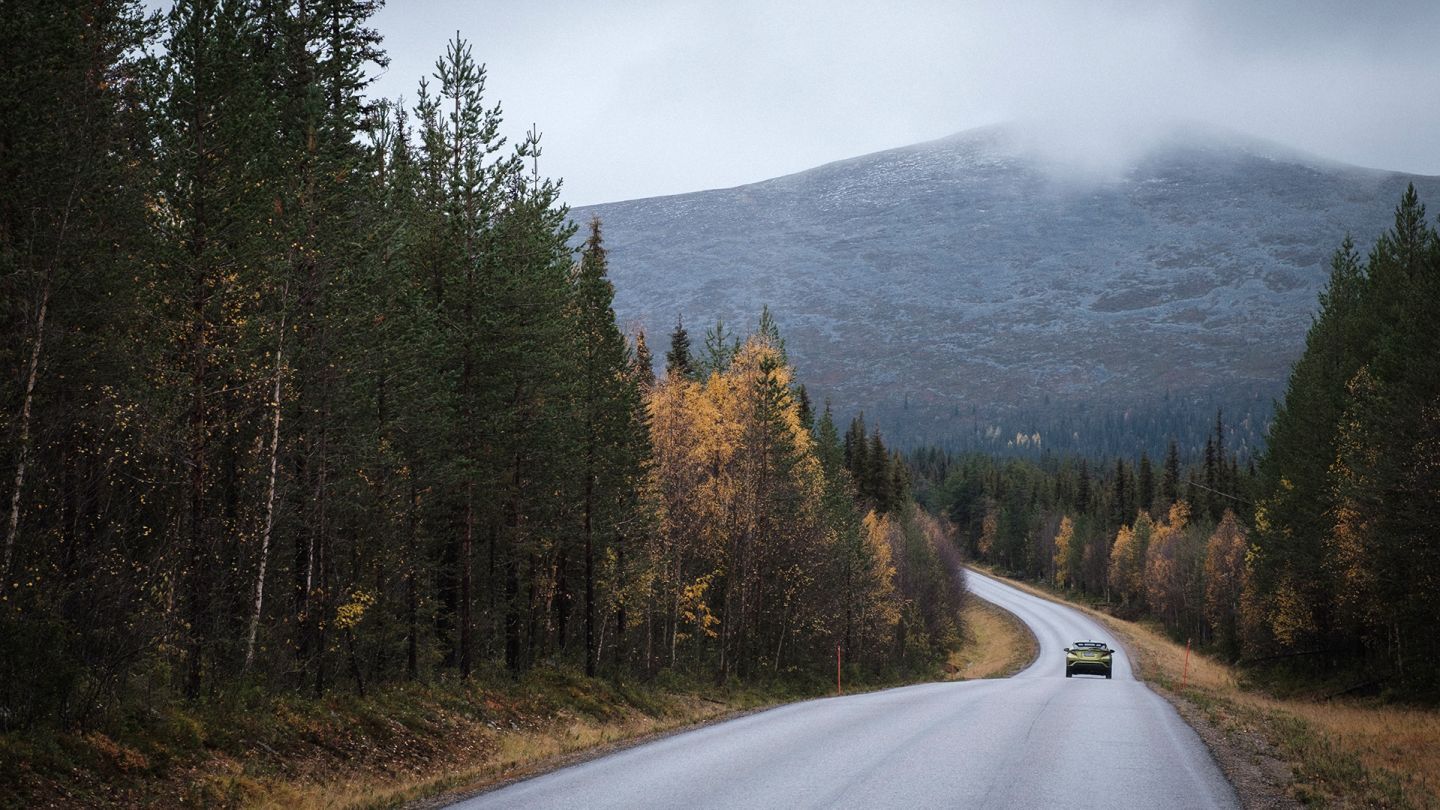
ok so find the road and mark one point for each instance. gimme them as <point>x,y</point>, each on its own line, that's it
<point>1033,740</point>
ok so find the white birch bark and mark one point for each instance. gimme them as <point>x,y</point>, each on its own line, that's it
<point>269,500</point>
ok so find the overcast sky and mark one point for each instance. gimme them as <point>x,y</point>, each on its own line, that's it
<point>647,97</point>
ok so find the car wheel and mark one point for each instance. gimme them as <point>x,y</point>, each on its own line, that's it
<point>1107,674</point>
<point>1068,673</point>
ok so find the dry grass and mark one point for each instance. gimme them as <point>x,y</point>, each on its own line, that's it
<point>525,754</point>
<point>997,645</point>
<point>396,747</point>
<point>1345,753</point>
<point>511,754</point>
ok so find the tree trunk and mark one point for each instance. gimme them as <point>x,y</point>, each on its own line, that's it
<point>621,653</point>
<point>197,250</point>
<point>22,460</point>
<point>270,495</point>
<point>354,661</point>
<point>465,597</point>
<point>24,451</point>
<point>563,597</point>
<point>512,576</point>
<point>197,602</point>
<point>412,600</point>
<point>590,651</point>
<point>322,567</point>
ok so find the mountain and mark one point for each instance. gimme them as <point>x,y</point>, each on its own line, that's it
<point>964,291</point>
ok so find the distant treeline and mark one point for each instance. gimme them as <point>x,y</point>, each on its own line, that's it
<point>1138,533</point>
<point>1323,555</point>
<point>1146,423</point>
<point>303,390</point>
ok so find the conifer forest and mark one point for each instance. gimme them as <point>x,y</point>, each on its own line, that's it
<point>309,391</point>
<point>305,391</point>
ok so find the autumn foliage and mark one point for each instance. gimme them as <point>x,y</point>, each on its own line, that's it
<point>762,559</point>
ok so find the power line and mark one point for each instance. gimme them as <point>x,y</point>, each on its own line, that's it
<point>1192,482</point>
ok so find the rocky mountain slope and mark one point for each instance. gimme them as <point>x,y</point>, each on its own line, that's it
<point>964,291</point>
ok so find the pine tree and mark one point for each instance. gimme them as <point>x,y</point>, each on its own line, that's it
<point>460,136</point>
<point>316,57</point>
<point>721,346</point>
<point>77,467</point>
<point>213,116</point>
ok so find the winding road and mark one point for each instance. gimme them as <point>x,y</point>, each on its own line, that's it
<point>1033,740</point>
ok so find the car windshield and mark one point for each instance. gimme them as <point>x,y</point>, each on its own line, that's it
<point>1093,645</point>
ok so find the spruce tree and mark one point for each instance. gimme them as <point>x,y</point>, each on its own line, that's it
<point>644,362</point>
<point>1170,479</point>
<point>807,412</point>
<point>1296,492</point>
<point>678,362</point>
<point>1210,501</point>
<point>607,404</point>
<point>877,478</point>
<point>1124,505</point>
<point>857,449</point>
<point>1146,483</point>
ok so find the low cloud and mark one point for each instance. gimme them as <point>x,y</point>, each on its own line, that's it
<point>666,97</point>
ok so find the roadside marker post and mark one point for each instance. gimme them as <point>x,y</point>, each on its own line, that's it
<point>1185,674</point>
<point>838,690</point>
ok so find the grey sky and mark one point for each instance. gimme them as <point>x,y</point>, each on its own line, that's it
<point>650,97</point>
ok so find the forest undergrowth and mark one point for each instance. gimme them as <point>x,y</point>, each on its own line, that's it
<point>405,744</point>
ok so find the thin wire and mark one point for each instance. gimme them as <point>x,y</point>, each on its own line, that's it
<point>1192,482</point>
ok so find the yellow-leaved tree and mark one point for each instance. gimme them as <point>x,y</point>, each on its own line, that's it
<point>1225,581</point>
<point>740,536</point>
<point>1067,560</point>
<point>1168,575</point>
<point>1127,560</point>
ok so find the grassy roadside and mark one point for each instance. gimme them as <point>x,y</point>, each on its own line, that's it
<point>401,746</point>
<point>1336,752</point>
<point>997,644</point>
<point>397,746</point>
<point>406,744</point>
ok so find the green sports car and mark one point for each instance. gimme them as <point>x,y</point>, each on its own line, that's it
<point>1088,656</point>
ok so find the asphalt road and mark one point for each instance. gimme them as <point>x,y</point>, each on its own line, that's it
<point>1034,740</point>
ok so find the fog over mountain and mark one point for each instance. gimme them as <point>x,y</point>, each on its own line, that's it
<point>970,289</point>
